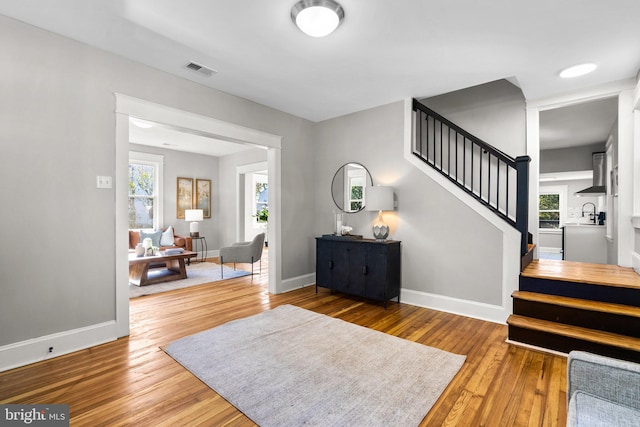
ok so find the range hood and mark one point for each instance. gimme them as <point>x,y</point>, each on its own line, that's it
<point>599,187</point>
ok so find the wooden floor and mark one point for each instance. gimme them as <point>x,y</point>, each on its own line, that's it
<point>133,382</point>
<point>583,272</point>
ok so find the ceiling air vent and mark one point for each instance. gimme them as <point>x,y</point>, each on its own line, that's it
<point>199,68</point>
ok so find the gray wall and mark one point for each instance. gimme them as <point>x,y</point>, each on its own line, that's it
<point>447,249</point>
<point>58,134</point>
<point>493,112</point>
<point>569,159</point>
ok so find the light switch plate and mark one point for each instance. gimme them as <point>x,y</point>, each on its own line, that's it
<point>103,181</point>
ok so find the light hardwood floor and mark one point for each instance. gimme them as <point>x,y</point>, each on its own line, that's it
<point>133,382</point>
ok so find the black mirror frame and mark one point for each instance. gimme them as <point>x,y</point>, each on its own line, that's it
<point>333,196</point>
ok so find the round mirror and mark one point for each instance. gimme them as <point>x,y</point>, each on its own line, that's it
<point>347,187</point>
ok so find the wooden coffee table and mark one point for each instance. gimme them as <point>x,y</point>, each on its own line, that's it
<point>141,273</point>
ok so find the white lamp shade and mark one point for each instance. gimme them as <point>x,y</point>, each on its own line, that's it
<point>378,198</point>
<point>193,215</point>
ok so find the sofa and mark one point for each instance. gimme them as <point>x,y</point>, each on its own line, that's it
<point>178,241</point>
<point>602,391</point>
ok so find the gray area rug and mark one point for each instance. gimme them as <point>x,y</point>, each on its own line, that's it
<point>197,274</point>
<point>293,367</point>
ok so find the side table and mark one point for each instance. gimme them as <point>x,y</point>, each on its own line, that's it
<point>203,248</point>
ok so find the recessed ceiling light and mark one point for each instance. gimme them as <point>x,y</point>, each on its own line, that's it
<point>141,123</point>
<point>317,18</point>
<point>577,70</point>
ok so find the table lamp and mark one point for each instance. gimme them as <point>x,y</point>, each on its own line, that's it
<point>379,199</point>
<point>193,216</point>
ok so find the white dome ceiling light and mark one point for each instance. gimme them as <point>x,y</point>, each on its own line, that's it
<point>317,18</point>
<point>577,70</point>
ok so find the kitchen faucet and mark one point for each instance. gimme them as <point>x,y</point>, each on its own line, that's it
<point>594,211</point>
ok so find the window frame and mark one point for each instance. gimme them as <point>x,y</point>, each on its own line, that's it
<point>561,191</point>
<point>353,174</point>
<point>157,162</point>
<point>259,178</point>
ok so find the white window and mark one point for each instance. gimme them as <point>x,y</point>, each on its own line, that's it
<point>552,209</point>
<point>261,207</point>
<point>145,190</point>
<point>354,190</point>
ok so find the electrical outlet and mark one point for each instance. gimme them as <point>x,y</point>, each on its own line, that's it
<point>50,349</point>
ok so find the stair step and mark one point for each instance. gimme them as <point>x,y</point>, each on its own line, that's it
<point>582,272</point>
<point>575,332</point>
<point>577,303</point>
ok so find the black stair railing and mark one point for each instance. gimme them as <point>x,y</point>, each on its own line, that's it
<point>493,178</point>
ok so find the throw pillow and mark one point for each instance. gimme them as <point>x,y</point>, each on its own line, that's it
<point>167,237</point>
<point>153,235</point>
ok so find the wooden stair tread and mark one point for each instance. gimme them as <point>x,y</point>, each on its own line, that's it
<point>582,272</point>
<point>603,307</point>
<point>584,334</point>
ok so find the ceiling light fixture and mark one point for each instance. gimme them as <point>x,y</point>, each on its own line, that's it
<point>317,18</point>
<point>577,70</point>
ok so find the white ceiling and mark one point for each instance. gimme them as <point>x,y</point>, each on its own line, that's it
<point>581,124</point>
<point>384,50</point>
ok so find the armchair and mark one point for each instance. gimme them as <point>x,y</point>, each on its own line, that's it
<point>243,252</point>
<point>602,391</point>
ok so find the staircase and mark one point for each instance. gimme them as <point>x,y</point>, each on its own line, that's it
<point>564,306</point>
<point>493,178</point>
<point>560,306</point>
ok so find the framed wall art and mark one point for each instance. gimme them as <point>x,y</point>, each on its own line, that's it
<point>203,196</point>
<point>184,196</point>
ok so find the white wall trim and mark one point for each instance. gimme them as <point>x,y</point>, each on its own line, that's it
<point>243,170</point>
<point>298,282</point>
<point>621,89</point>
<point>37,349</point>
<point>477,310</point>
<point>510,241</point>
<point>592,94</point>
<point>226,131</point>
<point>550,250</point>
<point>636,261</point>
<point>127,106</point>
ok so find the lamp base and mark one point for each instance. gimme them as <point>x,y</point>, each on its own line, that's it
<point>194,234</point>
<point>380,229</point>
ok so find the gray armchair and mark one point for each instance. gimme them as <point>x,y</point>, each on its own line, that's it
<point>250,252</point>
<point>602,391</point>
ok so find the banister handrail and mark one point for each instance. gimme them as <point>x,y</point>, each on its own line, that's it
<point>503,156</point>
<point>479,162</point>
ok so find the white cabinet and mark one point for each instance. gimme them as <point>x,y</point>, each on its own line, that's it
<point>585,243</point>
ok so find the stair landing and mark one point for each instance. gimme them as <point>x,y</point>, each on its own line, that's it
<point>583,272</point>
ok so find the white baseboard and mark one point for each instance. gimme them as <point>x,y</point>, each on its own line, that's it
<point>550,250</point>
<point>298,282</point>
<point>476,310</point>
<point>37,349</point>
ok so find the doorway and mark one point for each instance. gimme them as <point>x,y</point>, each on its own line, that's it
<point>621,130</point>
<point>127,107</point>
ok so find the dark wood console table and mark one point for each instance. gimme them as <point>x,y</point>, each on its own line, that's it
<point>363,267</point>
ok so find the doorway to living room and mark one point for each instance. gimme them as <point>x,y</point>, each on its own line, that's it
<point>128,107</point>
